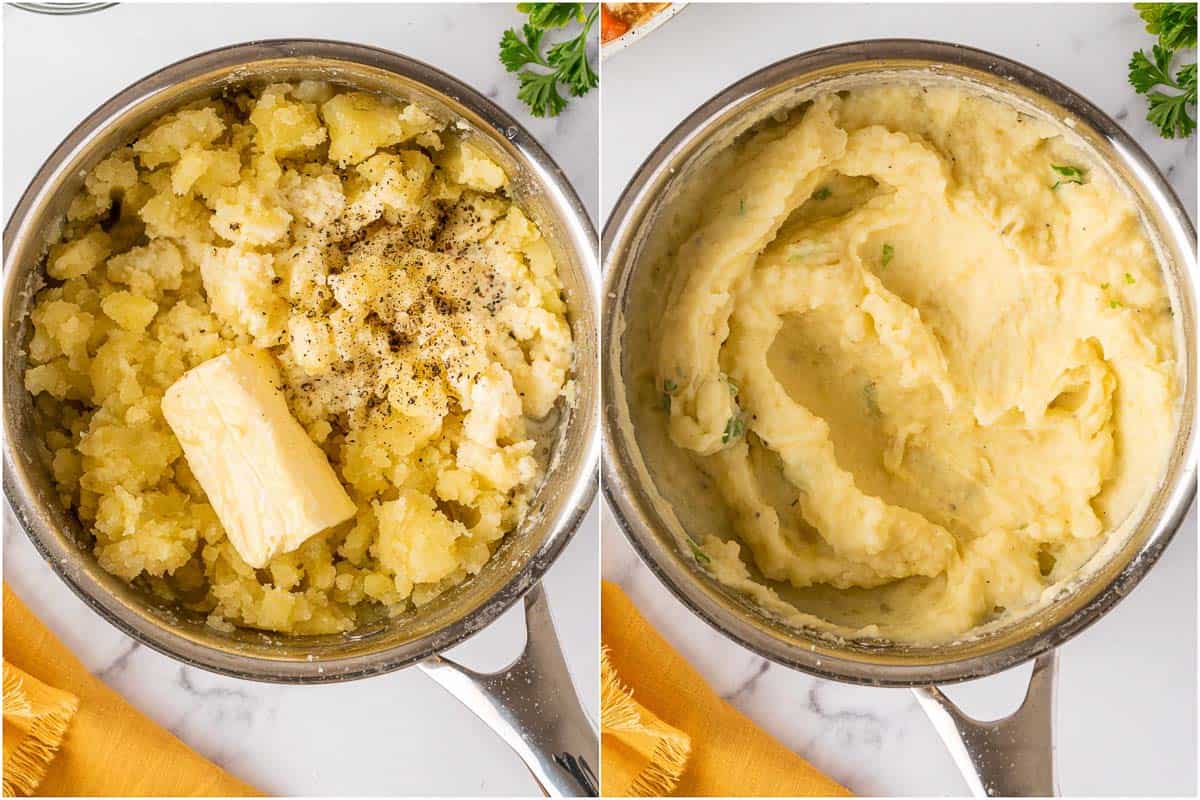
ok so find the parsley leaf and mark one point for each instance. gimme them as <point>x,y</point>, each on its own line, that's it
<point>1173,23</point>
<point>516,52</point>
<point>552,15</point>
<point>1169,113</point>
<point>1145,74</point>
<point>888,253</point>
<point>539,91</point>
<point>822,194</point>
<point>569,58</point>
<point>700,555</point>
<point>1187,80</point>
<point>567,61</point>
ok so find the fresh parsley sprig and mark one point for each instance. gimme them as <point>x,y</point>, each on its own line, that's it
<point>565,62</point>
<point>1172,100</point>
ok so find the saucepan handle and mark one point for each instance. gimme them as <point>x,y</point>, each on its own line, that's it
<point>533,706</point>
<point>1009,757</point>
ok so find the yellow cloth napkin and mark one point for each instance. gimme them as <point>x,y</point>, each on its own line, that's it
<point>664,730</point>
<point>109,747</point>
<point>643,756</point>
<point>36,717</point>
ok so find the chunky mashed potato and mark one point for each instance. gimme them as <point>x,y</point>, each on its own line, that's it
<point>920,353</point>
<point>415,312</point>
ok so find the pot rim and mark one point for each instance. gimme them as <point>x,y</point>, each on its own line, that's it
<point>577,498</point>
<point>620,485</point>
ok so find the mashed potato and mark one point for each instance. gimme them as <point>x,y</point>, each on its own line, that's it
<point>921,355</point>
<point>415,312</point>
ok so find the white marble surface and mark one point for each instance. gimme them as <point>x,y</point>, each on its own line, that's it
<point>1127,686</point>
<point>394,734</point>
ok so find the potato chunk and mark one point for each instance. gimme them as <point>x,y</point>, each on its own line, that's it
<point>132,312</point>
<point>361,123</point>
<point>77,258</point>
<point>240,288</point>
<point>416,541</point>
<point>167,140</point>
<point>285,128</point>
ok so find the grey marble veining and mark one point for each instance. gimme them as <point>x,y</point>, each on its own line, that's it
<point>392,734</point>
<point>1127,688</point>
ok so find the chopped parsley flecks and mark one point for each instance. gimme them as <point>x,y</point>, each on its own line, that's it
<point>822,194</point>
<point>889,252</point>
<point>700,555</point>
<point>669,388</point>
<point>734,428</point>
<point>1067,174</point>
<point>870,397</point>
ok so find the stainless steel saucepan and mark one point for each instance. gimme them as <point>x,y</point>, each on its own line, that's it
<point>532,703</point>
<point>1012,756</point>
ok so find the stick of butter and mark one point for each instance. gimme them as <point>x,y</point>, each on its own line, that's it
<point>270,484</point>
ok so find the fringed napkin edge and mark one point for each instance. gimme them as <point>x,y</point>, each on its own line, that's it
<point>26,764</point>
<point>620,712</point>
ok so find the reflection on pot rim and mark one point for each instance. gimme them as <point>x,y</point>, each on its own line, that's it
<point>538,184</point>
<point>63,9</point>
<point>638,505</point>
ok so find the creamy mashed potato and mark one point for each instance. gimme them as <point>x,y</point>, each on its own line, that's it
<point>414,310</point>
<point>919,355</point>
